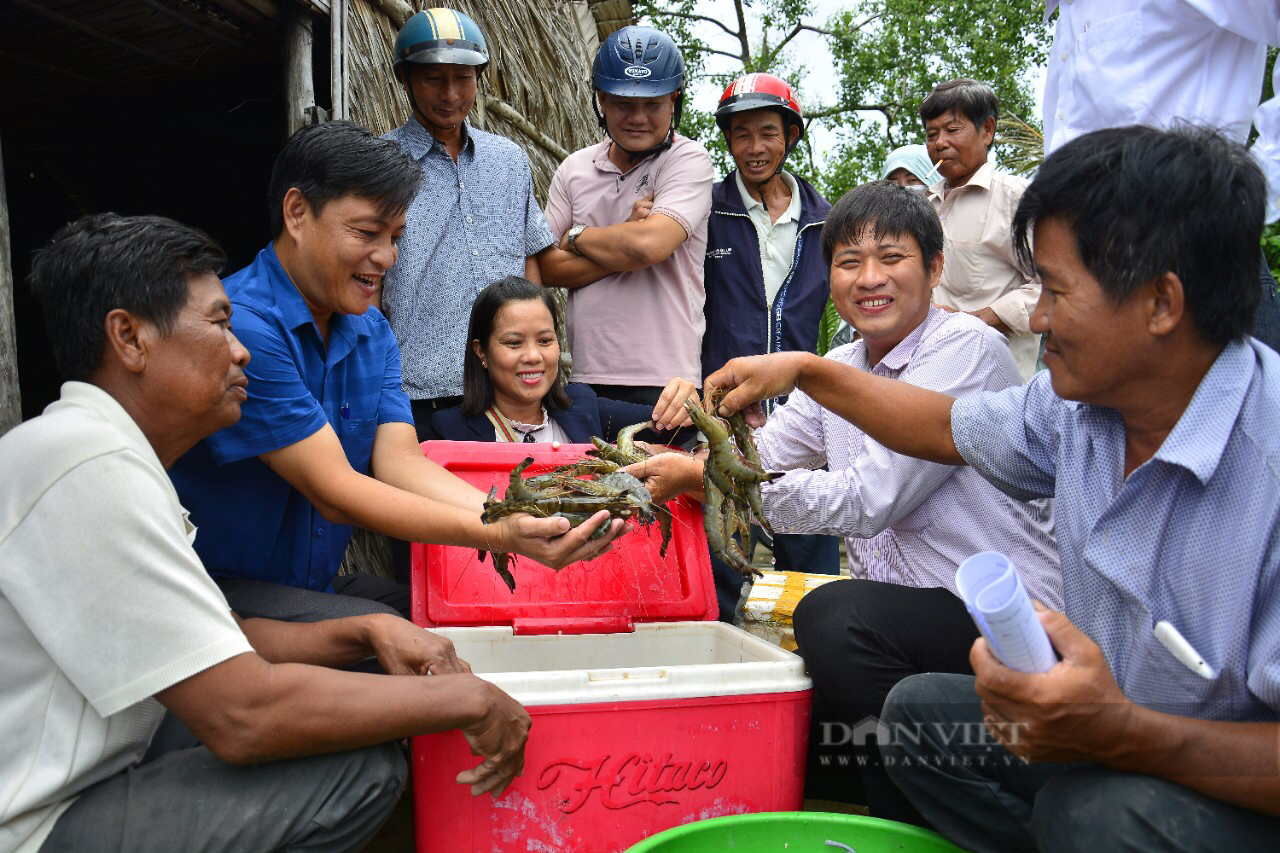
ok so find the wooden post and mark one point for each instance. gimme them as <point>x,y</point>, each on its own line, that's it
<point>10,399</point>
<point>338,58</point>
<point>299,85</point>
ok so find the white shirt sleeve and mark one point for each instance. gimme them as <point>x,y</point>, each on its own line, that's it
<point>1257,20</point>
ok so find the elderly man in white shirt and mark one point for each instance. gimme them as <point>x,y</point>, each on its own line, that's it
<point>976,202</point>
<point>1160,62</point>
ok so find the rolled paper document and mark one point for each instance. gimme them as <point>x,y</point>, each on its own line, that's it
<point>998,602</point>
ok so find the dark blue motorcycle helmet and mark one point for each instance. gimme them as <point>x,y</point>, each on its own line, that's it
<point>639,62</point>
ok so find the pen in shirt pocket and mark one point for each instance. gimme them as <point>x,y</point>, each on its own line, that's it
<point>345,411</point>
<point>1178,646</point>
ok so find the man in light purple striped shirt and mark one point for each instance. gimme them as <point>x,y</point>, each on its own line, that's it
<point>908,523</point>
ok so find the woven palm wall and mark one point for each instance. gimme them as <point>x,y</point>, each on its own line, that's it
<point>536,90</point>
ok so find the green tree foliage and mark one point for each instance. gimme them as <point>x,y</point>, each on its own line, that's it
<point>888,54</point>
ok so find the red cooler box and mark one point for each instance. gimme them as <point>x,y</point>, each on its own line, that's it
<point>646,713</point>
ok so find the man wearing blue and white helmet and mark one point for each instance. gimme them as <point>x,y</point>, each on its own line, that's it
<point>630,217</point>
<point>475,219</point>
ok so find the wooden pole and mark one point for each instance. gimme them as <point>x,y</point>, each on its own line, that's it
<point>299,85</point>
<point>10,398</point>
<point>500,107</point>
<point>397,10</point>
<point>338,58</point>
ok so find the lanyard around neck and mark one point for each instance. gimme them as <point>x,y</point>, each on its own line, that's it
<point>504,428</point>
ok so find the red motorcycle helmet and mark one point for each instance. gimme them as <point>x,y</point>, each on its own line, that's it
<point>759,91</point>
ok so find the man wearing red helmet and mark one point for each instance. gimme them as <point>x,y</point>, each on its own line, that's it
<point>764,273</point>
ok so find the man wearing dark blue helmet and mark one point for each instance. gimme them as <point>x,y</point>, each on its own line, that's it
<point>630,218</point>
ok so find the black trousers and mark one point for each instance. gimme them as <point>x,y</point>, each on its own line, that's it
<point>354,595</point>
<point>859,638</point>
<point>984,799</point>
<point>815,553</point>
<point>182,797</point>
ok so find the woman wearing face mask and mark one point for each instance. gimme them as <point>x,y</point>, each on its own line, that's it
<point>512,389</point>
<point>908,166</point>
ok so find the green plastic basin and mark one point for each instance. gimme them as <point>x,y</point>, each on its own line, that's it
<point>796,832</point>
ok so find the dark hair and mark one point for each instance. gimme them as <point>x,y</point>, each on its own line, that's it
<point>886,208</point>
<point>477,388</point>
<point>102,262</point>
<point>338,158</point>
<point>1142,202</point>
<point>975,101</point>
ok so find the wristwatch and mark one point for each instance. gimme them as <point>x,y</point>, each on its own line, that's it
<point>571,237</point>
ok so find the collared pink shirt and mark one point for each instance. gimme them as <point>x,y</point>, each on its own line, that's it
<point>641,327</point>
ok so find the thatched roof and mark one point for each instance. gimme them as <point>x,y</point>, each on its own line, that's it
<point>536,90</point>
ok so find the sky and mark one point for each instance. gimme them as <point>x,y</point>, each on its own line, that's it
<point>819,87</point>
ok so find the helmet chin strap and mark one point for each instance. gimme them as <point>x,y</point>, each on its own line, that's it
<point>778,171</point>
<point>636,156</point>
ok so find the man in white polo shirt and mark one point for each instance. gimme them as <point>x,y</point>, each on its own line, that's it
<point>630,218</point>
<point>108,619</point>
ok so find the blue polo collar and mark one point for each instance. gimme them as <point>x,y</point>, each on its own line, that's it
<point>344,329</point>
<point>1200,436</point>
<point>419,142</point>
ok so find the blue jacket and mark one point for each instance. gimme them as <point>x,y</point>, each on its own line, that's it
<point>586,416</point>
<point>739,321</point>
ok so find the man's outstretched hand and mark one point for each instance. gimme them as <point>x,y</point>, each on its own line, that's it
<point>550,541</point>
<point>753,378</point>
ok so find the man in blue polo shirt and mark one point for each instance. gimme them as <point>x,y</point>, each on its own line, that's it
<point>326,439</point>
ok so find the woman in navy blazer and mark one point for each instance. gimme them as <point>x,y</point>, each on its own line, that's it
<point>513,390</point>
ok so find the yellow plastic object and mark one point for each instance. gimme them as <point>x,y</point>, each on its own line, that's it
<point>772,602</point>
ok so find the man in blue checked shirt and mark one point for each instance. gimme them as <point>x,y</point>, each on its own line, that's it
<point>475,219</point>
<point>325,440</point>
<point>1154,429</point>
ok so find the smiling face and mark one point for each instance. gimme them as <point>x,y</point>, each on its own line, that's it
<point>339,256</point>
<point>197,370</point>
<point>758,142</point>
<point>881,287</point>
<point>522,357</point>
<point>957,145</point>
<point>1093,347</point>
<point>638,124</point>
<point>443,95</point>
